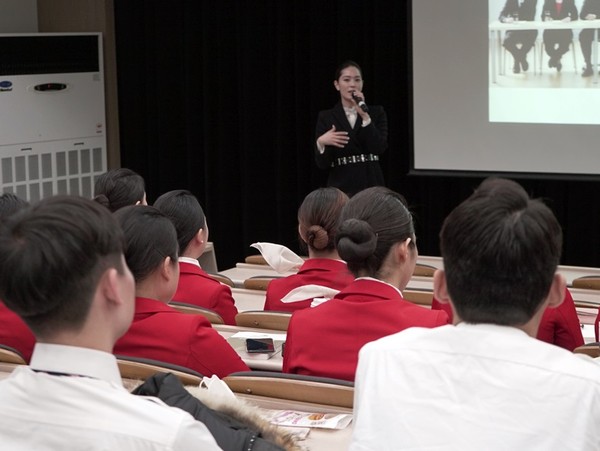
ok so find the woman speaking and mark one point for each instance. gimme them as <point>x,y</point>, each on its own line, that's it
<point>351,136</point>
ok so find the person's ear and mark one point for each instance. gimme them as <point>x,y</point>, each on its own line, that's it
<point>403,250</point>
<point>336,84</point>
<point>200,236</point>
<point>440,286</point>
<point>167,268</point>
<point>110,286</point>
<point>556,294</point>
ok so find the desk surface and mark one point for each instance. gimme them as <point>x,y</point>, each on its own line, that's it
<point>544,25</point>
<point>274,363</point>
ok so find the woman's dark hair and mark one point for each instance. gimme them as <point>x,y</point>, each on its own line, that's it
<point>119,188</point>
<point>318,217</point>
<point>150,237</point>
<point>9,204</point>
<point>372,221</point>
<point>184,210</point>
<point>344,65</point>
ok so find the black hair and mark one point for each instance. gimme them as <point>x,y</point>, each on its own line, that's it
<point>500,250</point>
<point>150,237</point>
<point>52,256</point>
<point>184,210</point>
<point>344,65</point>
<point>371,222</point>
<point>318,217</point>
<point>118,188</point>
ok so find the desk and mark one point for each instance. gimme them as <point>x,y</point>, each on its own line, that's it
<point>246,299</point>
<point>275,363</point>
<point>496,28</point>
<point>318,439</point>
<point>243,271</point>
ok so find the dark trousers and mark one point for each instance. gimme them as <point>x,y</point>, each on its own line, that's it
<point>519,43</point>
<point>585,40</point>
<point>556,42</point>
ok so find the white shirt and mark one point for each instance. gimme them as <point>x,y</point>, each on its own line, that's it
<point>191,261</point>
<point>88,409</point>
<point>474,387</point>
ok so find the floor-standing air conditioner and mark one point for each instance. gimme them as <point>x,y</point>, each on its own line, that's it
<point>52,120</point>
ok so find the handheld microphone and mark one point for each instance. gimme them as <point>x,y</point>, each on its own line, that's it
<point>361,103</point>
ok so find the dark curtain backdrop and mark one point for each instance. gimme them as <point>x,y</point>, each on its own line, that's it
<point>221,98</point>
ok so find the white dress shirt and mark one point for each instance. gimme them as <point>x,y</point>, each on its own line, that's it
<point>76,401</point>
<point>474,387</point>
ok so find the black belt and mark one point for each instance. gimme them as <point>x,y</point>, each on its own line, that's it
<point>362,158</point>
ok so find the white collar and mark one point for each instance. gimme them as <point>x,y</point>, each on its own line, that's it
<point>191,261</point>
<point>380,281</point>
<point>75,360</point>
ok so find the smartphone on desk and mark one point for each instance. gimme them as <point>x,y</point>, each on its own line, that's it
<point>260,345</point>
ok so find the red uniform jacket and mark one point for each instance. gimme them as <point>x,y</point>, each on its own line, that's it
<point>198,288</point>
<point>162,333</point>
<point>559,326</point>
<point>15,333</point>
<point>325,340</point>
<point>315,271</point>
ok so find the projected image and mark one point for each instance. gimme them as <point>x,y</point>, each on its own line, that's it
<point>543,61</point>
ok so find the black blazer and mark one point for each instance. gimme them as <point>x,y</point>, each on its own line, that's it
<point>526,9</point>
<point>372,139</point>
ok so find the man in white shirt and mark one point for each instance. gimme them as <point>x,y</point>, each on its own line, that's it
<point>62,270</point>
<point>485,383</point>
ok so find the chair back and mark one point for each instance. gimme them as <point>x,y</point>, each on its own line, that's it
<point>256,260</point>
<point>591,349</point>
<point>421,297</point>
<point>294,387</point>
<point>9,354</point>
<point>141,368</point>
<point>212,316</point>
<point>222,278</point>
<point>424,270</point>
<point>263,319</point>
<point>587,282</point>
<point>258,282</point>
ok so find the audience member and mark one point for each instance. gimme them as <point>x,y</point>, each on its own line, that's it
<point>195,285</point>
<point>62,270</point>
<point>324,272</point>
<point>13,330</point>
<point>376,238</point>
<point>485,383</point>
<point>119,188</point>
<point>159,331</point>
<point>559,325</point>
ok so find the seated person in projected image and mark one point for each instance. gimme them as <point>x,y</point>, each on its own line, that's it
<point>557,42</point>
<point>120,187</point>
<point>158,331</point>
<point>519,42</point>
<point>317,226</point>
<point>559,325</point>
<point>62,270</point>
<point>376,237</point>
<point>195,285</point>
<point>13,330</point>
<point>589,11</point>
<point>485,383</point>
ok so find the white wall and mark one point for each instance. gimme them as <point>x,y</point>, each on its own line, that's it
<point>18,16</point>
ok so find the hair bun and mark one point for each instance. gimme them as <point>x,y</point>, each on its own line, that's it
<point>317,237</point>
<point>356,240</point>
<point>102,200</point>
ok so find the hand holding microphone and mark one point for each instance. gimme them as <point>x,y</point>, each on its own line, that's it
<point>360,102</point>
